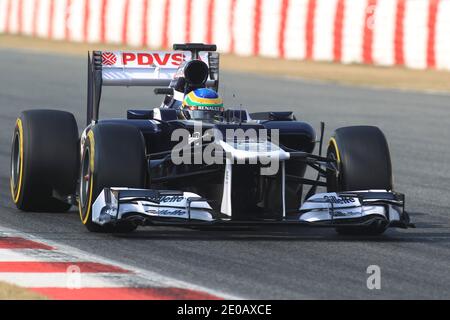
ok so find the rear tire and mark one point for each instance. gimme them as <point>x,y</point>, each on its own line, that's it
<point>364,163</point>
<point>113,156</point>
<point>44,160</point>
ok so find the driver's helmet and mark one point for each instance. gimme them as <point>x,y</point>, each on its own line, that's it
<point>202,104</point>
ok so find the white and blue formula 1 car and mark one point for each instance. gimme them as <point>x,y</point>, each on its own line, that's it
<point>122,173</point>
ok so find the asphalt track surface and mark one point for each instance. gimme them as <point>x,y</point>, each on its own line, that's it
<point>262,263</point>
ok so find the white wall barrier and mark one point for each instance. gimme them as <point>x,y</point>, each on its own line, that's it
<point>413,33</point>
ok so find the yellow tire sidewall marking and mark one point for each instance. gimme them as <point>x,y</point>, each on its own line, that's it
<point>334,143</point>
<point>85,220</point>
<point>15,196</point>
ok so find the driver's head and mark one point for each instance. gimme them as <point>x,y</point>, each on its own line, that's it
<point>202,104</point>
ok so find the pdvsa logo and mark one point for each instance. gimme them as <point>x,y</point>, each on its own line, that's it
<point>152,59</point>
<point>142,59</point>
<point>109,59</point>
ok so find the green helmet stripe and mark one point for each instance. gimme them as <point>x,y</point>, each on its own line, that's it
<point>190,102</point>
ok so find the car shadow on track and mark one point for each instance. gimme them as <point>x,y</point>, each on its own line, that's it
<point>430,229</point>
<point>271,235</point>
<point>435,231</point>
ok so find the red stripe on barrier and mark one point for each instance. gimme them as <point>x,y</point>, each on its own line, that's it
<point>21,243</point>
<point>51,18</point>
<point>20,16</point>
<point>166,24</point>
<point>51,267</point>
<point>210,21</point>
<point>124,294</point>
<point>231,25</point>
<point>368,31</point>
<point>282,29</point>
<point>126,14</point>
<point>188,20</point>
<point>309,28</point>
<point>67,16</point>
<point>399,57</point>
<point>86,20</point>
<point>8,16</point>
<point>103,20</point>
<point>257,26</point>
<point>433,8</point>
<point>145,7</point>
<point>34,22</point>
<point>338,30</point>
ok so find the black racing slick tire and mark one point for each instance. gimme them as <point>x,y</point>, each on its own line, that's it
<point>363,163</point>
<point>113,156</point>
<point>44,160</point>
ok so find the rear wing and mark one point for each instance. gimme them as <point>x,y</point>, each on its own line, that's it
<point>150,68</point>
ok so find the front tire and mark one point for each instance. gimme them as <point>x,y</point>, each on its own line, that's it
<point>113,156</point>
<point>44,160</point>
<point>363,163</point>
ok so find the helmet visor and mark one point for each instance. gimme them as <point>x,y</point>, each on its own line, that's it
<point>205,115</point>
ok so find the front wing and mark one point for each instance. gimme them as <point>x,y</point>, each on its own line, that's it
<point>156,207</point>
